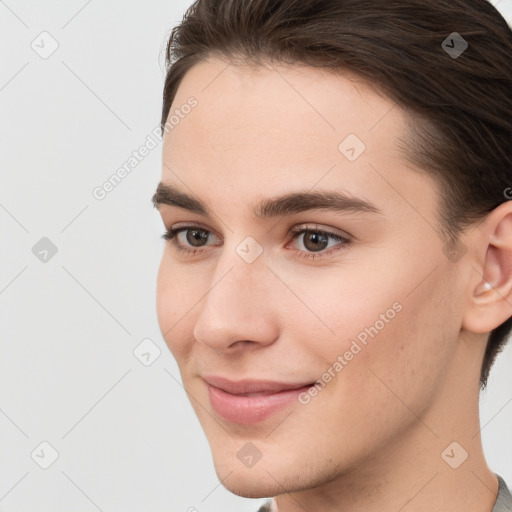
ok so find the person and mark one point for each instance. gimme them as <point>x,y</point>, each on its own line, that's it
<point>337,274</point>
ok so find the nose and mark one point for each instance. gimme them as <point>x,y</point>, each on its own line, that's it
<point>237,310</point>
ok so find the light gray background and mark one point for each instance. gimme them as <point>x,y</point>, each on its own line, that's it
<point>126,436</point>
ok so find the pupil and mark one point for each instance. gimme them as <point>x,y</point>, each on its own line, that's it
<point>196,235</point>
<point>317,238</point>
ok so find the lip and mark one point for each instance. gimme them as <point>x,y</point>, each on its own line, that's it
<point>230,401</point>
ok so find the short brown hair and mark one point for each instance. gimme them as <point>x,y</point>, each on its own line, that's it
<point>459,107</point>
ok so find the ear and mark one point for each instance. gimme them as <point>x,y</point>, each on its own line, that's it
<point>490,289</point>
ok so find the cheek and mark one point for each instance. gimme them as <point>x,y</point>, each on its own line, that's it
<point>175,300</point>
<point>401,367</point>
<point>394,342</point>
<point>164,306</point>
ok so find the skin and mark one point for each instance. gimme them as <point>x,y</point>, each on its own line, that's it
<point>373,437</point>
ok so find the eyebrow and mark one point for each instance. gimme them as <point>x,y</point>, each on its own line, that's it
<point>288,204</point>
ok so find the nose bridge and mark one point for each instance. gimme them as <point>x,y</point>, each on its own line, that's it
<point>241,270</point>
<point>237,304</point>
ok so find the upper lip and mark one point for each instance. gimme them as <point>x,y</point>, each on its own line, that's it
<point>251,385</point>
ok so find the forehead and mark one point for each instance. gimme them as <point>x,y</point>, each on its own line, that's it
<point>256,130</point>
<point>270,99</point>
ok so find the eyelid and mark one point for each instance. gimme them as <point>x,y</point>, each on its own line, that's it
<point>191,225</point>
<point>318,227</point>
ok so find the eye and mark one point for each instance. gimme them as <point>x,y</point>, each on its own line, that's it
<point>317,240</point>
<point>314,240</point>
<point>194,235</point>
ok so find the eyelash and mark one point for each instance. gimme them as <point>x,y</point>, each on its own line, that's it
<point>170,236</point>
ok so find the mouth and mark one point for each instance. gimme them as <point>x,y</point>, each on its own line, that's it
<point>251,401</point>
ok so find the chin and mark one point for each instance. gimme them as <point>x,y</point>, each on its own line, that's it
<point>264,480</point>
<point>248,484</point>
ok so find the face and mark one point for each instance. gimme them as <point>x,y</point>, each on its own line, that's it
<point>344,293</point>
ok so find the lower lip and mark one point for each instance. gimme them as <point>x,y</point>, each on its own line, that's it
<point>247,410</point>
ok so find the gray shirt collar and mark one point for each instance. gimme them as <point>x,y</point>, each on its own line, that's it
<point>503,501</point>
